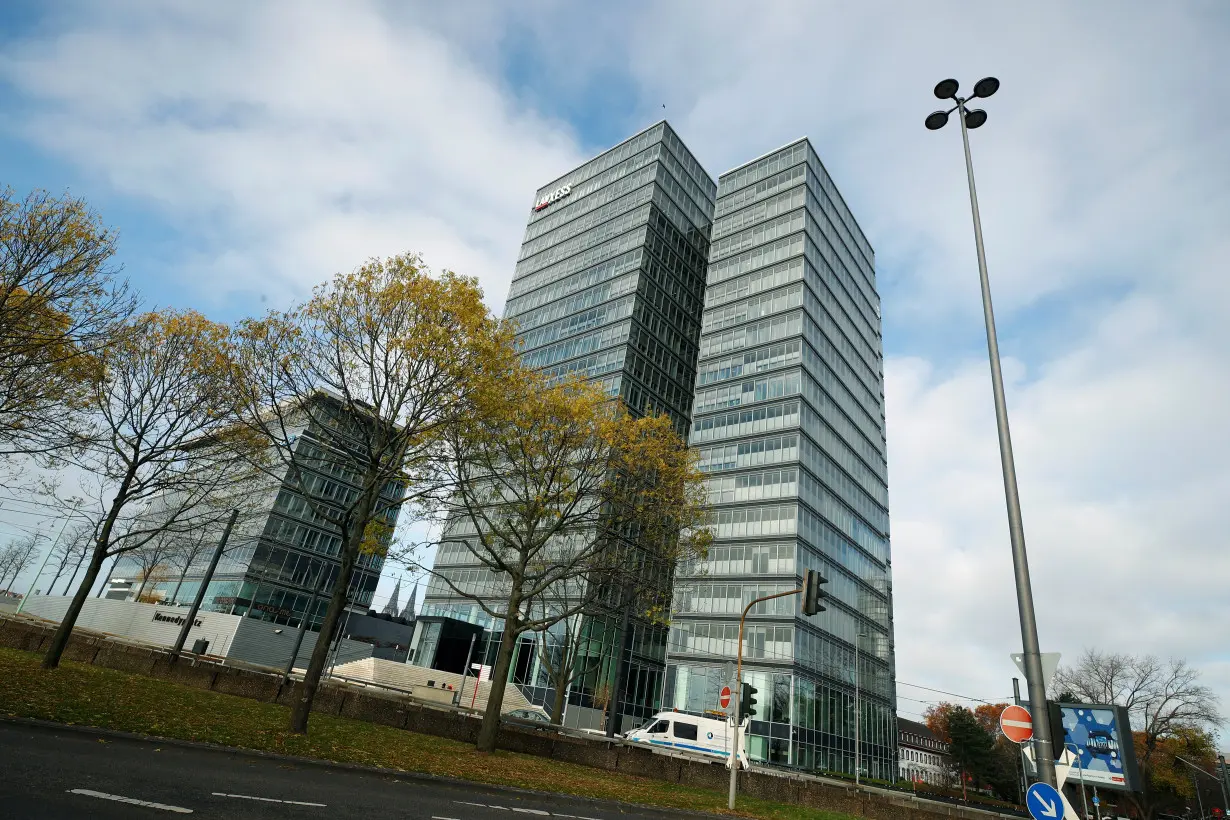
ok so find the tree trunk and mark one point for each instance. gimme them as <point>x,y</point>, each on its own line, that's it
<point>302,709</point>
<point>178,584</point>
<point>153,562</point>
<point>320,653</point>
<point>103,588</point>
<point>621,668</point>
<point>76,569</point>
<point>490,729</point>
<point>51,659</point>
<point>561,696</point>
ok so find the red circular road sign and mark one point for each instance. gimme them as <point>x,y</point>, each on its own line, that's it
<point>725,699</point>
<point>1016,723</point>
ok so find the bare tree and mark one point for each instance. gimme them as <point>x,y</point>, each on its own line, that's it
<point>1161,696</point>
<point>553,484</point>
<point>60,302</point>
<point>17,556</point>
<point>1166,701</point>
<point>69,549</point>
<point>187,550</point>
<point>166,449</point>
<point>151,561</point>
<point>79,540</point>
<point>561,646</point>
<point>355,388</point>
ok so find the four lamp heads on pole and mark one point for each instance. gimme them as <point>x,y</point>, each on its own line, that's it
<point>947,90</point>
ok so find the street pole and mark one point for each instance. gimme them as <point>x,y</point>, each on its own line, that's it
<point>465,670</point>
<point>1097,804</point>
<point>200,593</point>
<point>1021,762</point>
<point>857,716</point>
<point>337,646</point>
<point>1081,772</point>
<point>1224,771</point>
<point>734,757</point>
<point>1221,781</point>
<point>1043,748</point>
<point>22,603</point>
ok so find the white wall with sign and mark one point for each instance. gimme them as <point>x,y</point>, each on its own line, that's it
<point>146,623</point>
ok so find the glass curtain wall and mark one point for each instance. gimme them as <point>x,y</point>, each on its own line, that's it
<point>789,422</point>
<point>608,285</point>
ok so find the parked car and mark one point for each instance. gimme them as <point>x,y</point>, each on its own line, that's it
<point>530,715</point>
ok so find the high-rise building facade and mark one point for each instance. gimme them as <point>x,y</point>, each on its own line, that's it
<point>279,554</point>
<point>789,421</point>
<point>609,285</point>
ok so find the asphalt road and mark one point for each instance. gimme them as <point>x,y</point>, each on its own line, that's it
<point>48,773</point>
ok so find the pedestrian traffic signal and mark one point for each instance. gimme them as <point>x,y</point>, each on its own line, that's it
<point>748,703</point>
<point>812,595</point>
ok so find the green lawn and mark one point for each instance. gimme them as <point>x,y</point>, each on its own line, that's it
<point>85,695</point>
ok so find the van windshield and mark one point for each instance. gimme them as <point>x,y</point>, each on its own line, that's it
<point>657,727</point>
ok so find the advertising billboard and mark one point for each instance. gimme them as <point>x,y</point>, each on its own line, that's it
<point>1100,736</point>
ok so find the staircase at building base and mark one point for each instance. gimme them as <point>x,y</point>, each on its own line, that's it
<point>417,678</point>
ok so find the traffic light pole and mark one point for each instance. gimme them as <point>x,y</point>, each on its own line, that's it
<point>734,751</point>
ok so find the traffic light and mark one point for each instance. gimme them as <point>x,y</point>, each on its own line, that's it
<point>812,595</point>
<point>1055,718</point>
<point>747,704</point>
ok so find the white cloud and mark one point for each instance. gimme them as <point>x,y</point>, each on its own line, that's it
<point>294,140</point>
<point>289,141</point>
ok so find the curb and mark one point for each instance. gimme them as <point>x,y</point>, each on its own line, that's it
<point>345,767</point>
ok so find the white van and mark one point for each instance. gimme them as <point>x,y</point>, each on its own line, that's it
<point>709,736</point>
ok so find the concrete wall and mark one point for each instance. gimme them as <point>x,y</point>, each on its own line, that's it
<point>147,623</point>
<point>243,639</point>
<point>404,713</point>
<point>260,643</point>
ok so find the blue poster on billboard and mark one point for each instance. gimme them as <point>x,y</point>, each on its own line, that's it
<point>1100,736</point>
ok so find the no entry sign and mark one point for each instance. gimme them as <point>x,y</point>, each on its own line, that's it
<point>725,697</point>
<point>1016,724</point>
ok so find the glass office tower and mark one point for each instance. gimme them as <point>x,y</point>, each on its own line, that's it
<point>609,285</point>
<point>789,421</point>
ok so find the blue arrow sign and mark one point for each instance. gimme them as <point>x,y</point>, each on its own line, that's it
<point>1043,802</point>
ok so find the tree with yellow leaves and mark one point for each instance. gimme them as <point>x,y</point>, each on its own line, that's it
<point>368,375</point>
<point>165,454</point>
<point>554,484</point>
<point>60,303</point>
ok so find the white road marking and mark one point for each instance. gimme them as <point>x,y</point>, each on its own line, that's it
<point>119,799</point>
<point>522,811</point>
<point>438,817</point>
<point>267,799</point>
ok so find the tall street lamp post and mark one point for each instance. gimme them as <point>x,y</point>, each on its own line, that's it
<point>1043,748</point>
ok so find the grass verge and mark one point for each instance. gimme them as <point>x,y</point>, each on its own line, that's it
<point>83,695</point>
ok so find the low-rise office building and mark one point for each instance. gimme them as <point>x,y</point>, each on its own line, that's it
<point>923,756</point>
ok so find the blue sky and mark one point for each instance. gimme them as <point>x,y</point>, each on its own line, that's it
<point>247,151</point>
